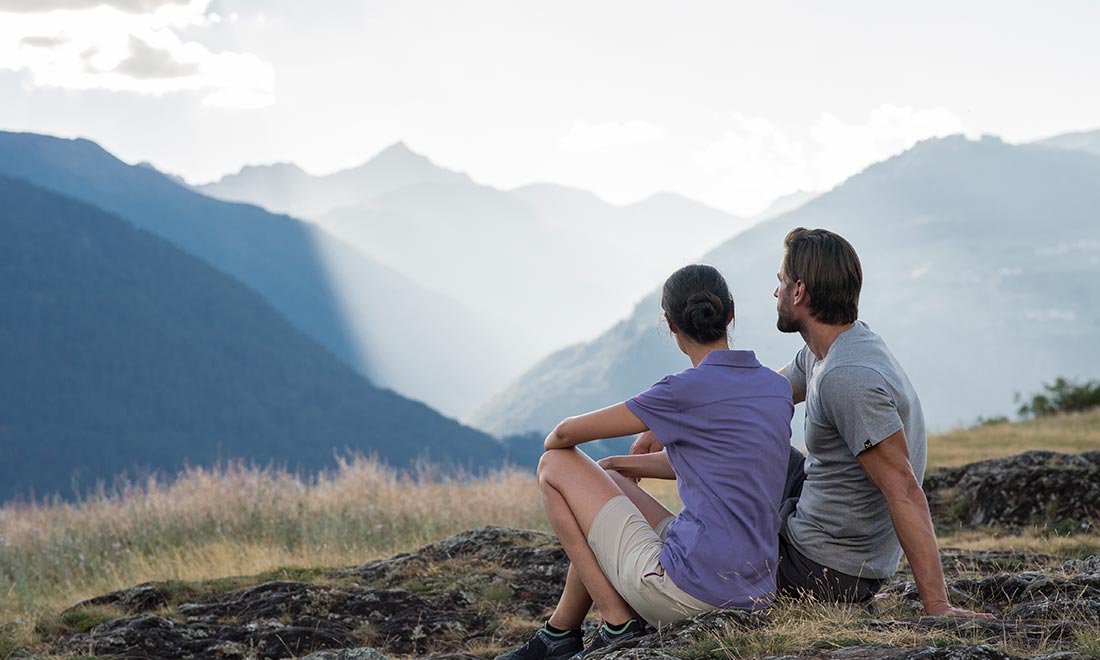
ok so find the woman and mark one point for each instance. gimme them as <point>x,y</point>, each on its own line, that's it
<point>723,430</point>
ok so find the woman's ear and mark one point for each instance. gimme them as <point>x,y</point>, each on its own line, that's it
<point>671,326</point>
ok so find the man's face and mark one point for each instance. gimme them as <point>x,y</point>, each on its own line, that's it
<point>784,304</point>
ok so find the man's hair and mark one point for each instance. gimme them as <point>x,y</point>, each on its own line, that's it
<point>829,268</point>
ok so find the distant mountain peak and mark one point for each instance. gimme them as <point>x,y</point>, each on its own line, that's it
<point>398,148</point>
<point>399,154</point>
<point>280,168</point>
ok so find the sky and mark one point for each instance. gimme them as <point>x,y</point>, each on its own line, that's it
<point>730,103</point>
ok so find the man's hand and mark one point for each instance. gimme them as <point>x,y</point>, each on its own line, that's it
<point>946,609</point>
<point>646,443</point>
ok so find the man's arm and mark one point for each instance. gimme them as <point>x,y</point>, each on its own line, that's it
<point>797,392</point>
<point>653,465</point>
<point>887,466</point>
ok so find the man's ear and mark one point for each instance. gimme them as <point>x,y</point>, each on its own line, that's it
<point>801,295</point>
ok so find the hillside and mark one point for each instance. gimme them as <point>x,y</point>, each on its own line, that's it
<point>980,262</point>
<point>1067,433</point>
<point>120,353</point>
<point>379,322</point>
<point>1086,141</point>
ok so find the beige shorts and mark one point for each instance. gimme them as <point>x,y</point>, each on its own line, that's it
<point>629,550</point>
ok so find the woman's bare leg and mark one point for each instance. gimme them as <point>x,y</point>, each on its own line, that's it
<point>575,602</point>
<point>574,489</point>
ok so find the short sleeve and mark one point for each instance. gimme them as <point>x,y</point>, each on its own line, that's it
<point>657,408</point>
<point>796,370</point>
<point>860,406</point>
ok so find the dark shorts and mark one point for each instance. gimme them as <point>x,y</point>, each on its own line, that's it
<point>799,575</point>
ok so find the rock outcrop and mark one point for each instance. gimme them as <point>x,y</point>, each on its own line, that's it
<point>1043,488</point>
<point>479,592</point>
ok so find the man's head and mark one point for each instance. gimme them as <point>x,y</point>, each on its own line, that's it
<point>820,277</point>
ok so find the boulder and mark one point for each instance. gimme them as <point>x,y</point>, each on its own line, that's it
<point>1043,488</point>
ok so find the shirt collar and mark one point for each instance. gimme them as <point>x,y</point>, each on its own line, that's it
<point>731,359</point>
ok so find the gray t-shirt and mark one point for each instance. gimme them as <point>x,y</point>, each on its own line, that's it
<point>856,397</point>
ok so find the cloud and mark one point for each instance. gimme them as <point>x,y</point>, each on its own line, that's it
<point>130,6</point>
<point>129,46</point>
<point>44,41</point>
<point>754,161</point>
<point>845,149</point>
<point>145,62</point>
<point>586,138</point>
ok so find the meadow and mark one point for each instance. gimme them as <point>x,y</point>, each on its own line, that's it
<point>244,520</point>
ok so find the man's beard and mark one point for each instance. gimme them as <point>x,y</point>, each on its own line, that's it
<point>786,324</point>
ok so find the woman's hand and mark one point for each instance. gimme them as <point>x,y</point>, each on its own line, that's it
<point>654,465</point>
<point>611,465</point>
<point>646,443</point>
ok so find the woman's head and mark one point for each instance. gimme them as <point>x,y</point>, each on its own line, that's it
<point>698,303</point>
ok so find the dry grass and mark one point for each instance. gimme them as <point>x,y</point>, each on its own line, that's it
<point>1070,433</point>
<point>239,520</point>
<point>1034,540</point>
<point>799,626</point>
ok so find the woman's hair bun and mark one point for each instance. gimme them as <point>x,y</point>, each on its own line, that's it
<point>698,301</point>
<point>703,310</point>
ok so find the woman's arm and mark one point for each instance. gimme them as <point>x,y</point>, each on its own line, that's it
<point>610,422</point>
<point>654,465</point>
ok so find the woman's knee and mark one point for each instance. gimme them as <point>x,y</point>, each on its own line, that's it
<point>551,461</point>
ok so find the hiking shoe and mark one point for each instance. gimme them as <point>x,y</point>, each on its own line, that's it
<point>606,636</point>
<point>545,645</point>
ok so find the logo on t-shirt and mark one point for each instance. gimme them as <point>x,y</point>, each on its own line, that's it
<point>866,444</point>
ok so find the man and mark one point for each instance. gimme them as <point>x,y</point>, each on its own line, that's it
<point>856,503</point>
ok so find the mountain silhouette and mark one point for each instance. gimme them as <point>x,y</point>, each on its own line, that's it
<point>980,262</point>
<point>1086,141</point>
<point>122,353</point>
<point>286,188</point>
<point>382,323</point>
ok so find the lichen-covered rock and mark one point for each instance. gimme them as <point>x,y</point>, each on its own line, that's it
<point>1034,488</point>
<point>436,599</point>
<point>348,654</point>
<point>473,591</point>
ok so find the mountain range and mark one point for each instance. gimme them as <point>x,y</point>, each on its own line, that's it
<point>980,261</point>
<point>555,265</point>
<point>286,188</point>
<point>401,336</point>
<point>121,353</point>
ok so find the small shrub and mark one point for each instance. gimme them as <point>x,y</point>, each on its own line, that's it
<point>1062,396</point>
